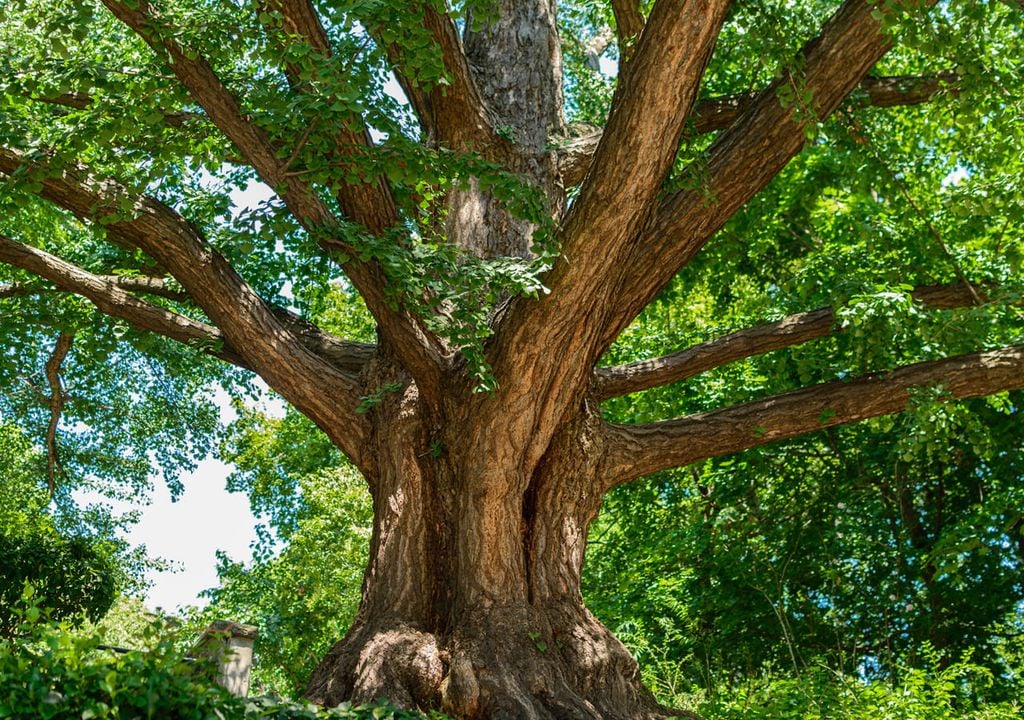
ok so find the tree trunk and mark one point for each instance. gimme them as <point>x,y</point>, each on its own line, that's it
<point>472,601</point>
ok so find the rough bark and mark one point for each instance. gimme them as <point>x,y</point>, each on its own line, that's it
<point>482,502</point>
<point>636,450</point>
<point>793,330</point>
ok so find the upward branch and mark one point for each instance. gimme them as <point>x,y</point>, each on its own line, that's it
<point>750,153</point>
<point>368,205</point>
<point>452,114</point>
<point>655,95</point>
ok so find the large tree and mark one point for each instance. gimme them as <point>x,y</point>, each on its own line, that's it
<point>500,251</point>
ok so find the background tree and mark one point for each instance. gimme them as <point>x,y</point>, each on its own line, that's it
<point>501,257</point>
<point>75,568</point>
<point>301,586</point>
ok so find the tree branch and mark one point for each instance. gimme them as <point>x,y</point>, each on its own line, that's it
<point>369,204</point>
<point>793,330</point>
<point>647,117</point>
<point>248,324</point>
<point>637,450</point>
<point>113,300</point>
<point>646,120</point>
<point>629,23</point>
<point>714,114</point>
<point>57,398</point>
<point>110,296</point>
<point>454,114</point>
<point>748,155</point>
<point>365,204</point>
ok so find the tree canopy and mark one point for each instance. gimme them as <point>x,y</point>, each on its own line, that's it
<point>509,257</point>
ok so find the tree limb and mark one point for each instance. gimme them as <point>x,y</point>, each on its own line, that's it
<point>453,114</point>
<point>793,330</point>
<point>637,450</point>
<point>369,204</point>
<point>714,114</point>
<point>364,204</point>
<point>326,395</point>
<point>639,144</point>
<point>57,398</point>
<point>748,155</point>
<point>112,298</point>
<point>629,23</point>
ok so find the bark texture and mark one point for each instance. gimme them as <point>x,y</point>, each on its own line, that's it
<point>471,602</point>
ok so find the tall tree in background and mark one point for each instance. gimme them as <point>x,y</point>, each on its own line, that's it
<point>500,252</point>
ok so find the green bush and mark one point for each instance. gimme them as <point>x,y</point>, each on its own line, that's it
<point>50,671</point>
<point>930,693</point>
<point>73,576</point>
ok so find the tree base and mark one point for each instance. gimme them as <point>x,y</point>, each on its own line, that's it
<point>514,663</point>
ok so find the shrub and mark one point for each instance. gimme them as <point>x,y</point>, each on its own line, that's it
<point>50,671</point>
<point>73,576</point>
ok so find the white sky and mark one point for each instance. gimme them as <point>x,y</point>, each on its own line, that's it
<point>206,518</point>
<point>188,533</point>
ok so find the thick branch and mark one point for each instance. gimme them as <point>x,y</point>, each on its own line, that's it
<point>314,387</point>
<point>655,94</point>
<point>789,331</point>
<point>748,155</point>
<point>369,204</point>
<point>629,23</point>
<point>113,300</point>
<point>452,114</point>
<point>364,204</point>
<point>109,294</point>
<point>715,114</point>
<point>57,398</point>
<point>637,450</point>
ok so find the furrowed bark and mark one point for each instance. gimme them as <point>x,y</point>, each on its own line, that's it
<point>452,115</point>
<point>645,123</point>
<point>746,157</point>
<point>793,330</point>
<point>629,23</point>
<point>647,116</point>
<point>637,450</point>
<point>420,352</point>
<point>713,114</point>
<point>315,387</point>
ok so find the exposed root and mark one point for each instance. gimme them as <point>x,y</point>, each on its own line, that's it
<point>516,663</point>
<point>383,660</point>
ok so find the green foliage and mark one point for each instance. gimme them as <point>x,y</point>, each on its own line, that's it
<point>51,672</point>
<point>75,563</point>
<point>934,694</point>
<point>301,587</point>
<point>73,575</point>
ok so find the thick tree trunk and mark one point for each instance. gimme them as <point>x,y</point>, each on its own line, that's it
<point>472,599</point>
